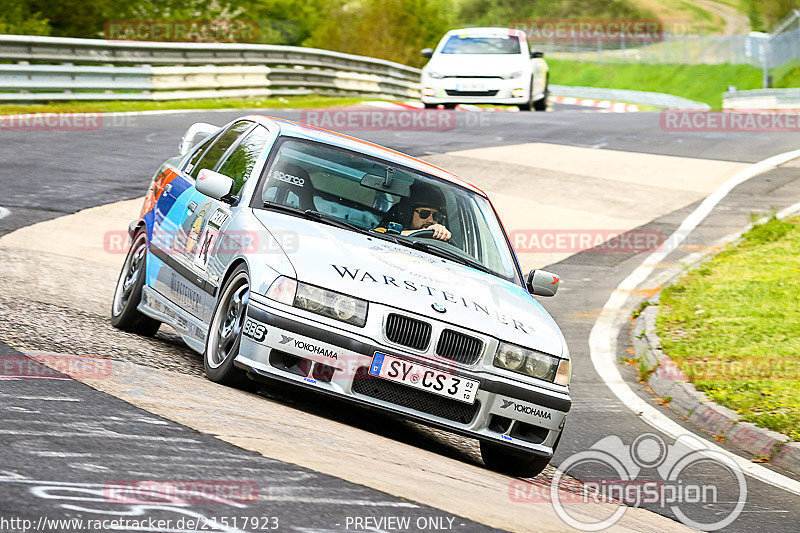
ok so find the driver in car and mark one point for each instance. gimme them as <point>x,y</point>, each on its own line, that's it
<point>423,210</point>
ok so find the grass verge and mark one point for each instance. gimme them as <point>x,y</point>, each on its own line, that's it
<point>733,326</point>
<point>702,83</point>
<point>297,102</point>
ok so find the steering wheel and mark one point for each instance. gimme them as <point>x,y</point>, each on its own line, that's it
<point>422,234</point>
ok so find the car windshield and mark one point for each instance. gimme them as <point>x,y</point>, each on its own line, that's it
<point>388,200</point>
<point>465,44</point>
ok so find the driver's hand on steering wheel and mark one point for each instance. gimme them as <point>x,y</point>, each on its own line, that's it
<point>440,232</point>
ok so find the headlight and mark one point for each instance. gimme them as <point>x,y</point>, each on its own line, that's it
<point>512,75</point>
<point>318,300</point>
<point>435,75</point>
<point>532,363</point>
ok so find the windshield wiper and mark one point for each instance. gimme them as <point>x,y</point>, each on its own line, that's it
<point>316,215</point>
<point>441,252</point>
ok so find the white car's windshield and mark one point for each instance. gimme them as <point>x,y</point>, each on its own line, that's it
<point>465,44</point>
<point>380,196</point>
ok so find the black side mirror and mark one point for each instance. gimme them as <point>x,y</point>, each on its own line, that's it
<point>535,54</point>
<point>427,52</point>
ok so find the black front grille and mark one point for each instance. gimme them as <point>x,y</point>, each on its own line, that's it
<point>432,404</point>
<point>470,93</point>
<point>459,347</point>
<point>408,331</point>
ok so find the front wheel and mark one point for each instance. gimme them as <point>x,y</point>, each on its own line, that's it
<point>544,101</point>
<point>431,106</point>
<point>225,332</point>
<point>511,462</point>
<point>128,294</point>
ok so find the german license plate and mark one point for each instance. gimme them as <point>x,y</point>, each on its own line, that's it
<point>470,87</point>
<point>424,378</point>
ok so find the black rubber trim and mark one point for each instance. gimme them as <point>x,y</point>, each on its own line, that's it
<point>182,271</point>
<point>353,345</point>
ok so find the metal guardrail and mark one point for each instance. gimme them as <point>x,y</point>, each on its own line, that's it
<point>762,99</point>
<point>54,68</point>
<point>669,101</point>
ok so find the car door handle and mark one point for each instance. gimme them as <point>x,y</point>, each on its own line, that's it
<point>192,206</point>
<point>167,188</point>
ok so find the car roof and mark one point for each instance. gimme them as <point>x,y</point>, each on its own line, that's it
<point>304,131</point>
<point>487,31</point>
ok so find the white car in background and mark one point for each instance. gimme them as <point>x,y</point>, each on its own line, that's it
<point>485,66</point>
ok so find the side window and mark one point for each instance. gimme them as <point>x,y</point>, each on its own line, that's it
<point>216,150</point>
<point>240,162</point>
<point>199,153</point>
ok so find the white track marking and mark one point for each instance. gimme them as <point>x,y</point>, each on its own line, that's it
<point>4,212</point>
<point>602,339</point>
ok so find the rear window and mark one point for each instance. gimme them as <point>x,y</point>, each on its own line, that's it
<point>465,44</point>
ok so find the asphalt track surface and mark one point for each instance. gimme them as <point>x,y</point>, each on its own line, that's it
<point>44,175</point>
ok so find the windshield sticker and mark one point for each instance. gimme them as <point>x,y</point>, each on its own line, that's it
<point>288,178</point>
<point>363,276</point>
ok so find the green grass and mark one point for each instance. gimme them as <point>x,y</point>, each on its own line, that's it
<point>215,103</point>
<point>733,326</point>
<point>702,83</point>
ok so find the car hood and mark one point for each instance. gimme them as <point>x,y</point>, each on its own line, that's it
<point>477,64</point>
<point>383,272</point>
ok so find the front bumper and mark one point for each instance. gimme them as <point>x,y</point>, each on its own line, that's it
<point>475,91</point>
<point>279,344</point>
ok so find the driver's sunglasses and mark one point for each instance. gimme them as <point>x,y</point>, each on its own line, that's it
<point>425,213</point>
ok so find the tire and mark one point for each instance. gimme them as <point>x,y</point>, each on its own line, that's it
<point>527,106</point>
<point>449,106</point>
<point>128,294</point>
<point>544,101</point>
<point>512,462</point>
<point>225,331</point>
<point>431,106</point>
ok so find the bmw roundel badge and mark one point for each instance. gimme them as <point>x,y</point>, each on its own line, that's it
<point>438,308</point>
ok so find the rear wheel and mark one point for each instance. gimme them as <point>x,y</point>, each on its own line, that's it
<point>225,332</point>
<point>449,106</point>
<point>431,106</point>
<point>128,294</point>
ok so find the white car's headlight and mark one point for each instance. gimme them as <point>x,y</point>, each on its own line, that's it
<point>318,300</point>
<point>435,75</point>
<point>532,363</point>
<point>512,75</point>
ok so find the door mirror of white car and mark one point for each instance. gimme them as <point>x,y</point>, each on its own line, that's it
<point>535,54</point>
<point>196,133</point>
<point>214,184</point>
<point>543,283</point>
<point>427,52</point>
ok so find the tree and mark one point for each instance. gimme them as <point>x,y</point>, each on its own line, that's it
<point>17,18</point>
<point>389,29</point>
